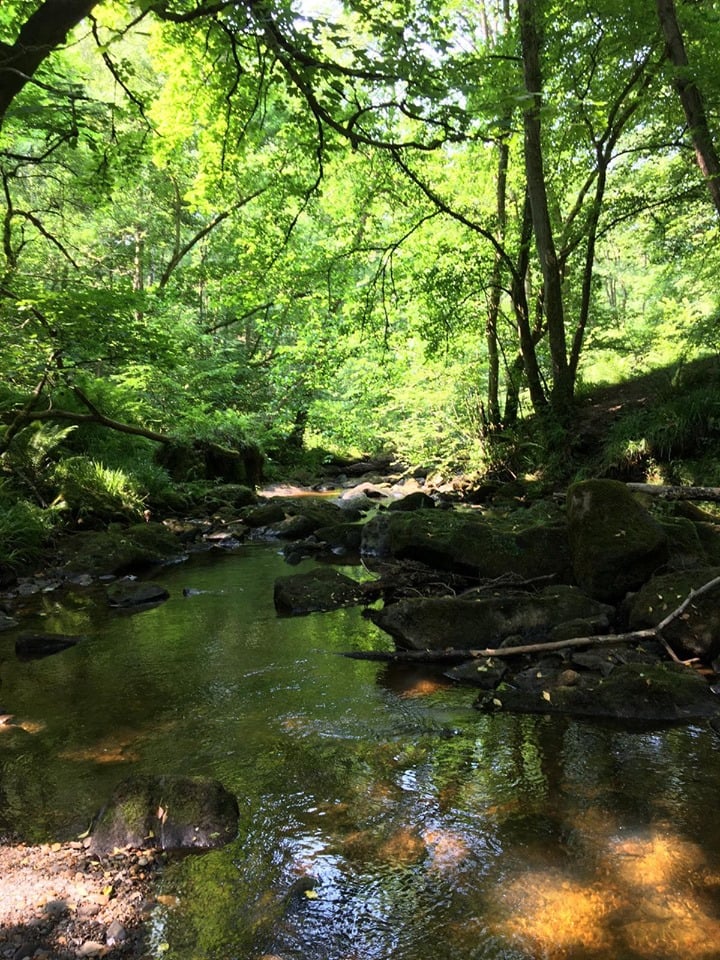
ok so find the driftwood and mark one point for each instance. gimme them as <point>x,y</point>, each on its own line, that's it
<point>454,655</point>
<point>676,493</point>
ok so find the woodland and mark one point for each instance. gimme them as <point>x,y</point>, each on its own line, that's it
<point>280,232</point>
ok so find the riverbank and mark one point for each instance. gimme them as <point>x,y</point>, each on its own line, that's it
<point>59,902</point>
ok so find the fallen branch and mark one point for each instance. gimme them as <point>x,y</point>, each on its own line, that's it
<point>676,493</point>
<point>456,655</point>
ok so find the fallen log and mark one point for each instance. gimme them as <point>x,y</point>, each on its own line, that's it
<point>676,493</point>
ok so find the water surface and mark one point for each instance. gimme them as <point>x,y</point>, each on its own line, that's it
<point>381,816</point>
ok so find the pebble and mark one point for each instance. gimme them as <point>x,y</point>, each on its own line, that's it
<point>115,933</point>
<point>91,948</point>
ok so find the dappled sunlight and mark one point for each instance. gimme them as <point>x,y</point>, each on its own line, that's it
<point>554,915</point>
<point>29,726</point>
<point>652,895</point>
<point>659,861</point>
<point>447,847</point>
<point>423,687</point>
<point>401,848</point>
<point>118,747</point>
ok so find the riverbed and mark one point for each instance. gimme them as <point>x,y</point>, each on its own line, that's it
<point>381,815</point>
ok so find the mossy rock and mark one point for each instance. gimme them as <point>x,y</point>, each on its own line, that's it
<point>166,812</point>
<point>317,590</point>
<point>615,544</point>
<point>439,623</point>
<point>119,550</point>
<point>279,510</point>
<point>635,692</point>
<point>234,496</point>
<point>697,632</point>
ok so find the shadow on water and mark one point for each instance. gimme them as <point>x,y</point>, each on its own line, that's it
<point>381,816</point>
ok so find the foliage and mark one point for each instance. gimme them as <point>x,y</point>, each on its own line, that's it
<point>235,225</point>
<point>92,491</point>
<point>24,530</point>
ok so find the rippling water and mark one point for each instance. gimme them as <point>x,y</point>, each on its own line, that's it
<point>381,816</point>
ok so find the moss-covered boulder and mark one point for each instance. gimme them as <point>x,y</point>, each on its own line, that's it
<point>615,544</point>
<point>166,812</point>
<point>696,633</point>
<point>438,623</point>
<point>119,550</point>
<point>293,518</point>
<point>464,542</point>
<point>316,590</point>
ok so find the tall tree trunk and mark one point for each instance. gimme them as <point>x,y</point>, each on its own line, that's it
<point>526,337</point>
<point>43,31</point>
<point>691,99</point>
<point>493,314</point>
<point>562,386</point>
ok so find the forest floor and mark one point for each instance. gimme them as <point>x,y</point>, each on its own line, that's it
<point>57,902</point>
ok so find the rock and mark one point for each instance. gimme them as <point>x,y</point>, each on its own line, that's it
<point>412,501</point>
<point>115,933</point>
<point>119,550</point>
<point>320,589</point>
<point>643,692</point>
<point>170,813</point>
<point>484,672</point>
<point>293,528</point>
<point>341,538</point>
<point>33,646</point>
<point>133,593</point>
<point>697,632</point>
<point>464,542</point>
<point>685,547</point>
<point>437,623</point>
<point>615,544</point>
<point>293,518</point>
<point>228,495</point>
<point>6,622</point>
<point>91,948</point>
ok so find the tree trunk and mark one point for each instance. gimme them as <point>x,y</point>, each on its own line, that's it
<point>42,32</point>
<point>691,99</point>
<point>491,326</point>
<point>526,337</point>
<point>562,387</point>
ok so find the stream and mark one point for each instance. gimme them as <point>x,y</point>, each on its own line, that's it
<point>381,816</point>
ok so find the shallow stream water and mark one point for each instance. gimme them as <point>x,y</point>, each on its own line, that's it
<point>381,816</point>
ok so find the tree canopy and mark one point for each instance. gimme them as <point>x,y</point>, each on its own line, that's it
<point>399,225</point>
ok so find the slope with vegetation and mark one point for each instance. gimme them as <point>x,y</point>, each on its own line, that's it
<point>242,236</point>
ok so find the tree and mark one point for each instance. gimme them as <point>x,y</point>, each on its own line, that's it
<point>44,30</point>
<point>691,99</point>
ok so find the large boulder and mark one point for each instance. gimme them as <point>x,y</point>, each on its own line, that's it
<point>439,623</point>
<point>615,544</point>
<point>166,812</point>
<point>293,518</point>
<point>119,549</point>
<point>316,590</point>
<point>696,633</point>
<point>464,542</point>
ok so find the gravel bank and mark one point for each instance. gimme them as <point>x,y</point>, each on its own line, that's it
<point>58,902</point>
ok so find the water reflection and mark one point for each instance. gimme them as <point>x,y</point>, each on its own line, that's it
<point>381,816</point>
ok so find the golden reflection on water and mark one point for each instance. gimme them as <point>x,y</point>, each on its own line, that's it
<point>651,896</point>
